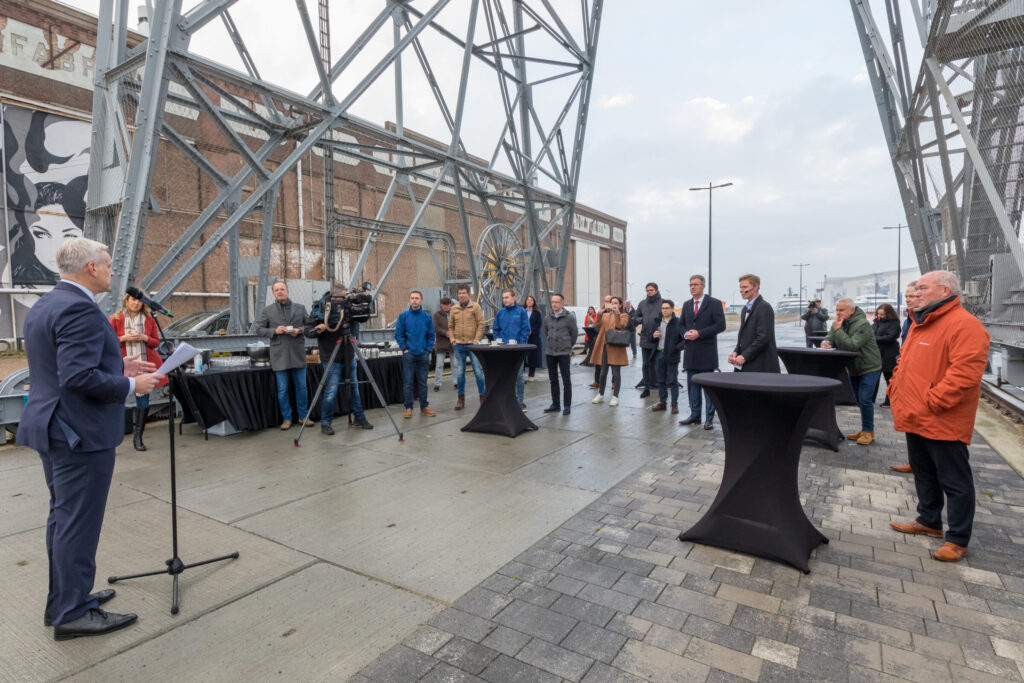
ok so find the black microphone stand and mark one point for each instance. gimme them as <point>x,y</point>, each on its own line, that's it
<point>174,565</point>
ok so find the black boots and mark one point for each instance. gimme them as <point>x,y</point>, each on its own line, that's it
<point>140,426</point>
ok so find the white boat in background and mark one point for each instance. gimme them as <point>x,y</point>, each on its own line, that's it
<point>791,302</point>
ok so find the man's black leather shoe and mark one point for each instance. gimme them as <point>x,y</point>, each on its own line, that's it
<point>692,420</point>
<point>363,424</point>
<point>105,595</point>
<point>709,424</point>
<point>552,408</point>
<point>645,393</point>
<point>326,429</point>
<point>639,385</point>
<point>566,411</point>
<point>95,622</point>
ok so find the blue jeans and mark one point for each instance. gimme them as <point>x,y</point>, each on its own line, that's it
<point>298,379</point>
<point>142,401</point>
<point>864,389</point>
<point>520,383</point>
<point>357,403</point>
<point>460,353</point>
<point>668,377</point>
<point>414,369</point>
<point>695,392</point>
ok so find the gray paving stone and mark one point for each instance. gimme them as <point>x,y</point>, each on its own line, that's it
<point>462,624</point>
<point>533,594</point>
<point>654,664</point>
<point>736,663</point>
<point>629,626</point>
<point>398,665</point>
<point>628,564</point>
<point>778,673</point>
<point>912,665</point>
<point>505,640</point>
<point>825,666</point>
<point>499,583</point>
<point>466,655</point>
<point>640,586</point>
<point>445,673</point>
<point>428,639</point>
<point>660,614</point>
<point>557,660</point>
<point>591,572</point>
<point>565,584</point>
<point>590,612</point>
<point>536,621</point>
<point>596,643</point>
<point>540,558</point>
<point>482,602</point>
<point>720,634</point>
<point>899,620</point>
<point>507,670</point>
<point>701,584</point>
<point>668,639</point>
<point>602,673</point>
<point>524,572</point>
<point>761,623</point>
<point>620,602</point>
<point>692,602</point>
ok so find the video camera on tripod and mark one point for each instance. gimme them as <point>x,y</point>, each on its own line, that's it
<point>354,307</point>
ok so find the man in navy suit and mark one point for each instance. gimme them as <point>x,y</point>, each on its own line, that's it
<point>74,418</point>
<point>703,320</point>
<point>669,337</point>
<point>755,346</point>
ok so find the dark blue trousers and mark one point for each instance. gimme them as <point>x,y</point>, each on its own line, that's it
<point>943,467</point>
<point>650,373</point>
<point>78,483</point>
<point>694,392</point>
<point>414,374</point>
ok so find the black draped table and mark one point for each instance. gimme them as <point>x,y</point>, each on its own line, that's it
<point>830,363</point>
<point>757,510</point>
<point>247,397</point>
<point>500,412</point>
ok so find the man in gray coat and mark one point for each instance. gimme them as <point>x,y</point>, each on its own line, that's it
<point>814,319</point>
<point>560,333</point>
<point>282,321</point>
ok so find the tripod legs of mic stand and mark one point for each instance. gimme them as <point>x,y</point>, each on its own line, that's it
<point>174,565</point>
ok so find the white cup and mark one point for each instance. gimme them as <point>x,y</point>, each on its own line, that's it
<point>512,341</point>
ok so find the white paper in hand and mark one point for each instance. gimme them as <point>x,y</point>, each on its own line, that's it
<point>182,354</point>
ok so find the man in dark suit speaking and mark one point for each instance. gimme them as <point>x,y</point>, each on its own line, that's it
<point>74,418</point>
<point>755,347</point>
<point>703,320</point>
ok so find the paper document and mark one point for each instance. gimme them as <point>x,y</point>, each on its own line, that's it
<point>182,354</point>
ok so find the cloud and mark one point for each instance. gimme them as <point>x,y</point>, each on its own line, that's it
<point>617,100</point>
<point>717,121</point>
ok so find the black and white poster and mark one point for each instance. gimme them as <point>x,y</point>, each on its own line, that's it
<point>46,166</point>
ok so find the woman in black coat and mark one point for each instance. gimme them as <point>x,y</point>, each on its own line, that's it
<point>533,357</point>
<point>887,335</point>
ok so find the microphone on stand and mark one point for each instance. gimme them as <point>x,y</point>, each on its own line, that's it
<point>154,306</point>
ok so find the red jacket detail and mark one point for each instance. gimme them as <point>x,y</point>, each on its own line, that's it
<point>117,321</point>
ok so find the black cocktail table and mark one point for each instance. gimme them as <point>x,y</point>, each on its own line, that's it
<point>757,510</point>
<point>500,412</point>
<point>830,363</point>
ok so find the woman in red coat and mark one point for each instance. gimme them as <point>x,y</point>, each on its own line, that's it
<point>137,332</point>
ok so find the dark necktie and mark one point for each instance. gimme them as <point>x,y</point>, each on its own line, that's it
<point>696,307</point>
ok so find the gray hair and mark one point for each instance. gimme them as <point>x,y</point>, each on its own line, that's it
<point>912,283</point>
<point>944,278</point>
<point>698,277</point>
<point>848,302</point>
<point>76,253</point>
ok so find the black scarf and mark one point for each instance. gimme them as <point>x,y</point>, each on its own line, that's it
<point>922,313</point>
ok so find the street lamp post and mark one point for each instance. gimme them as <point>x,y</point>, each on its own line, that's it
<point>800,287</point>
<point>710,190</point>
<point>899,264</point>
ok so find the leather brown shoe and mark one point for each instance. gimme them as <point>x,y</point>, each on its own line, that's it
<point>915,527</point>
<point>675,410</point>
<point>658,407</point>
<point>854,436</point>
<point>950,552</point>
<point>408,412</point>
<point>905,469</point>
<point>308,422</point>
<point>460,402</point>
<point>287,424</point>
<point>865,438</point>
<point>427,412</point>
<point>101,597</point>
<point>482,397</point>
<point>593,384</point>
<point>95,622</point>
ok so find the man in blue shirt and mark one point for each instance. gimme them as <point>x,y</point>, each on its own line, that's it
<point>512,323</point>
<point>414,333</point>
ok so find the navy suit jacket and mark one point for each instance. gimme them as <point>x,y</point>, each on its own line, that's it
<point>702,352</point>
<point>756,341</point>
<point>76,374</point>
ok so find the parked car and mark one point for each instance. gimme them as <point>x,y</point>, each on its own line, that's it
<point>203,323</point>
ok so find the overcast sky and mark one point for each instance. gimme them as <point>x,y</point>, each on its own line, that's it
<point>773,97</point>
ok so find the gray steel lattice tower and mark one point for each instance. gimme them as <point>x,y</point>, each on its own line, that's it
<point>536,61</point>
<point>955,134</point>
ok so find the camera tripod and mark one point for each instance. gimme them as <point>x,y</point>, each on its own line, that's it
<point>348,381</point>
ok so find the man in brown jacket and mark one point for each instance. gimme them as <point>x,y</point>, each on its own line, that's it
<point>465,327</point>
<point>442,343</point>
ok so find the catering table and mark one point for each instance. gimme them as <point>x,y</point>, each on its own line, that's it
<point>830,363</point>
<point>757,510</point>
<point>247,397</point>
<point>500,412</point>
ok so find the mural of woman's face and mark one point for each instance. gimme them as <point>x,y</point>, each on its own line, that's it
<point>49,231</point>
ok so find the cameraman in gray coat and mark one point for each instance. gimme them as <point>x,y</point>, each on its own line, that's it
<point>560,334</point>
<point>814,319</point>
<point>282,321</point>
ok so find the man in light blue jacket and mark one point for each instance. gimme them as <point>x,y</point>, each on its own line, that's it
<point>512,323</point>
<point>414,333</point>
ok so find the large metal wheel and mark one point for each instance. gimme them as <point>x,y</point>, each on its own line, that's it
<point>502,263</point>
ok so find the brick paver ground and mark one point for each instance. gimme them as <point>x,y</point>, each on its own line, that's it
<point>612,595</point>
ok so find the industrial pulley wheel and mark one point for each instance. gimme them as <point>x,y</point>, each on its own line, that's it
<point>501,263</point>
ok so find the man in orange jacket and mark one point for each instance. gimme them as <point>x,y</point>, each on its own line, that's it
<point>934,395</point>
